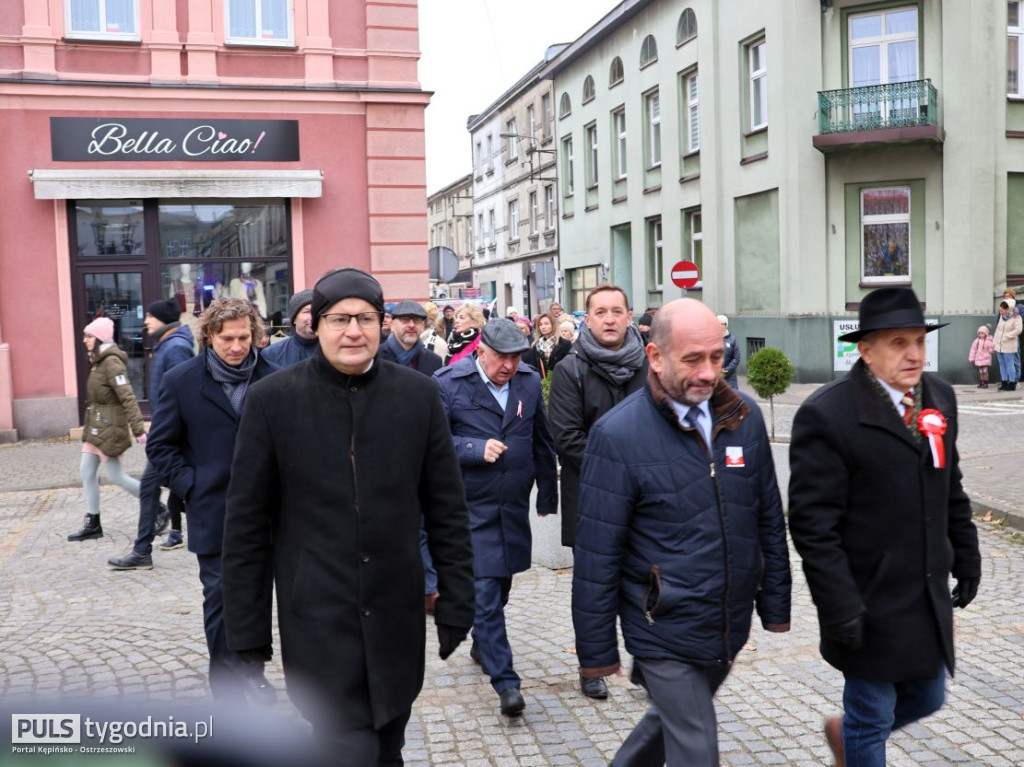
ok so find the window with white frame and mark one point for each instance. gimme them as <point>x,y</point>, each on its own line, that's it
<point>648,51</point>
<point>480,163</point>
<point>549,205</point>
<point>567,167</point>
<point>490,154</point>
<point>883,47</point>
<point>545,114</point>
<point>512,138</point>
<point>616,74</point>
<point>531,120</point>
<point>692,114</point>
<point>481,233</point>
<point>1014,47</point>
<point>513,219</point>
<point>695,245</point>
<point>492,221</point>
<point>260,22</point>
<point>652,108</point>
<point>592,155</point>
<point>102,19</point>
<point>758,58</point>
<point>534,212</point>
<point>885,234</point>
<point>619,123</point>
<point>655,254</point>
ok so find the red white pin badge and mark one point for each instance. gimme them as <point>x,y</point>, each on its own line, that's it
<point>932,424</point>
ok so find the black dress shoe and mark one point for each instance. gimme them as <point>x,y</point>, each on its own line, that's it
<point>512,703</point>
<point>594,687</point>
<point>474,653</point>
<point>257,688</point>
<point>132,561</point>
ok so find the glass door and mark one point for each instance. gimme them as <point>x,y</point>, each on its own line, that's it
<point>117,295</point>
<point>883,52</point>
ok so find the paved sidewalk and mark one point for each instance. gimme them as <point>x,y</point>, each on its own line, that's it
<point>73,627</point>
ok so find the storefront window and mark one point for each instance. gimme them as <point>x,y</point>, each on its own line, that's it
<point>109,228</point>
<point>129,253</point>
<point>195,284</point>
<point>201,230</point>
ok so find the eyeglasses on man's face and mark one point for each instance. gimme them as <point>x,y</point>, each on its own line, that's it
<point>365,320</point>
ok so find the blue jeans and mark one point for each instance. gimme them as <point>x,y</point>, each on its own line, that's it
<point>1009,366</point>
<point>874,709</point>
<point>429,571</point>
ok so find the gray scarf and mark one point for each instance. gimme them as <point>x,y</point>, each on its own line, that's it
<point>234,381</point>
<point>619,365</point>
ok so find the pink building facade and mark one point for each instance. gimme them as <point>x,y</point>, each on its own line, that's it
<point>193,149</point>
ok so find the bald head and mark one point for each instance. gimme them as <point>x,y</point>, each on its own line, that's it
<point>686,350</point>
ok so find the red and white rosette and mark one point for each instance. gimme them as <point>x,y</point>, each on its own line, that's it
<point>932,424</point>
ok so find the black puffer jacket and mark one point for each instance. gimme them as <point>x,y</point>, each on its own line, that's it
<point>580,394</point>
<point>678,541</point>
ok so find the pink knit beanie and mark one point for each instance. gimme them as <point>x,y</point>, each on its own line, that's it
<point>102,328</point>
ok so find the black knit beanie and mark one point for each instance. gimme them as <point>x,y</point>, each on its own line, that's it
<point>345,283</point>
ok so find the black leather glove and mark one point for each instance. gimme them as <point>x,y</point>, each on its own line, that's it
<point>449,637</point>
<point>964,591</point>
<point>849,633</point>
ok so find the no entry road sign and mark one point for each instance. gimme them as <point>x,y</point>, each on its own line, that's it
<point>685,274</point>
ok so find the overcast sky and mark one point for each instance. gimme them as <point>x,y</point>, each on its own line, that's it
<point>475,50</point>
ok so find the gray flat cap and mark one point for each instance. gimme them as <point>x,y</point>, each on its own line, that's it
<point>504,337</point>
<point>409,309</point>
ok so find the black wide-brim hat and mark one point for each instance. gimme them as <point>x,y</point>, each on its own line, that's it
<point>889,309</point>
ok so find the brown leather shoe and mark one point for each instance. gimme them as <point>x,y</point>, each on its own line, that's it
<point>430,600</point>
<point>834,736</point>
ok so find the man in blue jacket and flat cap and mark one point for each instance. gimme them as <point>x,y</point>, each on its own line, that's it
<point>503,442</point>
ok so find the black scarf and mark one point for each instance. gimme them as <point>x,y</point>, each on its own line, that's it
<point>459,341</point>
<point>234,381</point>
<point>620,364</point>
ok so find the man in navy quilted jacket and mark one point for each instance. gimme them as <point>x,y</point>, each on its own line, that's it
<point>681,535</point>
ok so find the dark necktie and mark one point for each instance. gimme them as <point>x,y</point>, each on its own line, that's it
<point>692,419</point>
<point>908,403</point>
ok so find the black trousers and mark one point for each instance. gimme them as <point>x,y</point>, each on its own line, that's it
<point>365,747</point>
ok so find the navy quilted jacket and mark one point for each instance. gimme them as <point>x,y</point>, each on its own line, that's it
<point>678,543</point>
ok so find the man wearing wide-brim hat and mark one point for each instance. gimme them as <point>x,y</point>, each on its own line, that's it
<point>878,514</point>
<point>503,442</point>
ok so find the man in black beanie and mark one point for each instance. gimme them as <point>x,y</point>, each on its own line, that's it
<point>172,344</point>
<point>303,342</point>
<point>311,500</point>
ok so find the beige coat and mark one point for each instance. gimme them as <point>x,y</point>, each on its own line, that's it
<point>1005,337</point>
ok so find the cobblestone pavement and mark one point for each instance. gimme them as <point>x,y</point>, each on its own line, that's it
<point>73,627</point>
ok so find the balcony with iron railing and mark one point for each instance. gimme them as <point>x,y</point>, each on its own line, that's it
<point>893,113</point>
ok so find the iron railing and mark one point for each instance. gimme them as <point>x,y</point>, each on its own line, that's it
<point>875,107</point>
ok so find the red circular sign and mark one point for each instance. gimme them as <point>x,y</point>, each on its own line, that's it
<point>685,274</point>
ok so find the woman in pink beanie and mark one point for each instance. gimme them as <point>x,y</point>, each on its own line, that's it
<point>111,417</point>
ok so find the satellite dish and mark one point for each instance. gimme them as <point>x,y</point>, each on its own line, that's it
<point>444,264</point>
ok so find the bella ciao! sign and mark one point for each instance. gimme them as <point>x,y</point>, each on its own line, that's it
<point>77,139</point>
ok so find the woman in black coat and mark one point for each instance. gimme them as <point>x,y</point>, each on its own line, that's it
<point>548,349</point>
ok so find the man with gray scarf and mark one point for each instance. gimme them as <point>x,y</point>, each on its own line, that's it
<point>607,363</point>
<point>191,444</point>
